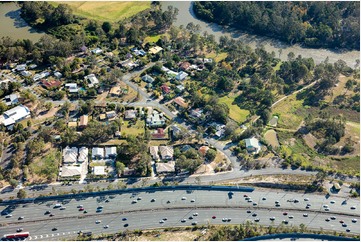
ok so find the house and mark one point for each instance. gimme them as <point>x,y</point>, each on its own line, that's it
<point>148,79</point>
<point>162,168</point>
<point>41,75</point>
<point>175,130</point>
<point>58,74</point>
<point>72,87</point>
<point>11,99</point>
<point>203,150</point>
<point>83,121</point>
<point>165,89</point>
<point>273,122</point>
<point>21,67</point>
<point>115,91</point>
<point>111,114</point>
<point>180,102</point>
<point>129,64</point>
<point>70,155</point>
<point>110,152</point>
<point>154,50</point>
<point>72,124</point>
<point>253,145</point>
<point>26,73</point>
<point>158,134</point>
<point>196,113</point>
<point>48,84</point>
<point>102,117</point>
<point>97,153</point>
<point>32,66</point>
<point>97,51</point>
<point>130,114</point>
<point>185,65</point>
<point>155,120</point>
<point>180,88</point>
<point>70,171</point>
<point>92,80</point>
<point>140,52</point>
<point>129,172</point>
<point>165,69</point>
<point>128,56</point>
<point>166,152</point>
<point>172,74</point>
<point>83,154</point>
<point>181,76</point>
<point>99,170</point>
<point>153,150</point>
<point>14,115</point>
<point>184,148</point>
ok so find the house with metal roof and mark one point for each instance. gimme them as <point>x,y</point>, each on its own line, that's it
<point>166,152</point>
<point>253,145</point>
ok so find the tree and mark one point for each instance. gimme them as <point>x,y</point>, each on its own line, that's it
<point>119,167</point>
<point>211,154</point>
<point>21,194</point>
<point>106,26</point>
<point>13,182</point>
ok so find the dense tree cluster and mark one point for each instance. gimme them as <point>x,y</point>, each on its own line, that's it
<point>315,24</point>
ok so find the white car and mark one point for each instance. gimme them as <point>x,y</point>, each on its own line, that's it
<point>195,214</point>
<point>264,198</point>
<point>305,215</point>
<point>183,220</point>
<point>184,198</point>
<point>354,220</point>
<point>193,200</point>
<point>272,218</point>
<point>161,221</point>
<point>307,199</point>
<point>325,206</point>
<point>106,226</point>
<point>327,209</point>
<point>290,217</point>
<point>98,221</point>
<point>332,202</point>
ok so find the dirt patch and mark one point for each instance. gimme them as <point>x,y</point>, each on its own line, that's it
<point>310,140</point>
<point>169,236</point>
<point>271,138</point>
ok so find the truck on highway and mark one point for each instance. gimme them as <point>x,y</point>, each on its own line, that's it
<point>17,235</point>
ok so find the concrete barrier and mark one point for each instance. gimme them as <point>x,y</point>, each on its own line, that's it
<point>301,236</point>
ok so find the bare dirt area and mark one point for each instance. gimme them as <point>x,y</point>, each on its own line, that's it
<point>310,140</point>
<point>168,236</point>
<point>220,163</point>
<point>271,138</point>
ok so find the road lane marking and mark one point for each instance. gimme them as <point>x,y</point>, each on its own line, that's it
<point>36,237</point>
<point>30,238</point>
<point>41,236</point>
<point>58,234</point>
<point>47,236</point>
<point>63,233</point>
<point>68,232</point>
<point>52,235</point>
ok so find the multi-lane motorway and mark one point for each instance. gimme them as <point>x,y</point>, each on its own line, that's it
<point>175,206</point>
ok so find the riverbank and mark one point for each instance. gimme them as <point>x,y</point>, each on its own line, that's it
<point>280,48</point>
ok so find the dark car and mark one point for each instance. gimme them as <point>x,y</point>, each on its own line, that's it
<point>47,212</point>
<point>54,229</point>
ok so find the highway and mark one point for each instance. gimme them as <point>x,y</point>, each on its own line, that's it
<point>146,214</point>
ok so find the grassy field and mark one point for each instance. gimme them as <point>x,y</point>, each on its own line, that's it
<point>45,168</point>
<point>153,39</point>
<point>106,11</point>
<point>217,58</point>
<point>136,129</point>
<point>350,164</point>
<point>271,138</point>
<point>236,113</point>
<point>289,111</point>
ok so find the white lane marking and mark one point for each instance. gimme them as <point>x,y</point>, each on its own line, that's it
<point>41,236</point>
<point>68,232</point>
<point>63,233</point>
<point>52,235</point>
<point>58,234</point>
<point>74,232</point>
<point>30,238</point>
<point>47,236</point>
<point>36,237</point>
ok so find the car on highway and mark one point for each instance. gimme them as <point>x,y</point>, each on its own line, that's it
<point>19,229</point>
<point>62,208</point>
<point>85,211</point>
<point>245,195</point>
<point>256,219</point>
<point>58,205</point>
<point>54,229</point>
<point>344,225</point>
<point>296,201</point>
<point>168,201</point>
<point>214,217</point>
<point>107,201</point>
<point>184,198</point>
<point>47,212</point>
<point>306,199</point>
<point>341,221</point>
<point>285,221</point>
<point>325,206</point>
<point>254,215</point>
<point>81,209</point>
<point>327,219</point>
<point>100,207</point>
<point>290,217</point>
<point>278,205</point>
<point>21,218</point>
<point>126,225</point>
<point>348,230</point>
<point>79,206</point>
<point>354,220</point>
<point>161,221</point>
<point>224,219</point>
<point>165,219</point>
<point>149,100</point>
<point>190,217</point>
<point>272,218</point>
<point>305,215</point>
<point>327,209</point>
<point>194,223</point>
<point>183,220</point>
<point>8,216</point>
<point>332,202</point>
<point>134,201</point>
<point>255,204</point>
<point>124,219</point>
<point>153,200</point>
<point>285,213</point>
<point>193,200</point>
<point>51,215</point>
<point>195,214</point>
<point>139,198</point>
<point>249,211</point>
<point>264,199</point>
<point>353,207</point>
<point>250,201</point>
<point>98,221</point>
<point>309,204</point>
<point>229,219</point>
<point>276,202</point>
<point>333,218</point>
<point>106,226</point>
<point>248,198</point>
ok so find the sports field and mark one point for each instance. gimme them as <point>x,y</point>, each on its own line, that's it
<point>106,11</point>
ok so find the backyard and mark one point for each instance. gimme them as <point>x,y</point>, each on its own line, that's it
<point>236,113</point>
<point>128,128</point>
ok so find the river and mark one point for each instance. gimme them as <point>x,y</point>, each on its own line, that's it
<point>186,15</point>
<point>13,25</point>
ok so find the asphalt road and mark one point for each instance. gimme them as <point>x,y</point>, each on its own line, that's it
<point>146,214</point>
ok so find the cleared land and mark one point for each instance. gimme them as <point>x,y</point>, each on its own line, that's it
<point>134,129</point>
<point>271,138</point>
<point>217,58</point>
<point>153,39</point>
<point>106,11</point>
<point>236,113</point>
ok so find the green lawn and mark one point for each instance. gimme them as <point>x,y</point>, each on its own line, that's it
<point>136,129</point>
<point>46,167</point>
<point>153,39</point>
<point>217,58</point>
<point>106,11</point>
<point>236,113</point>
<point>350,164</point>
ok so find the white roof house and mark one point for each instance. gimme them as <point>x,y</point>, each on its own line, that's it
<point>20,67</point>
<point>15,114</point>
<point>153,150</point>
<point>165,167</point>
<point>69,171</point>
<point>110,152</point>
<point>98,153</point>
<point>99,170</point>
<point>83,154</point>
<point>11,99</point>
<point>70,155</point>
<point>26,73</point>
<point>148,79</point>
<point>97,51</point>
<point>181,76</point>
<point>92,79</point>
<point>73,87</point>
<point>156,119</point>
<point>166,152</point>
<point>253,145</point>
<point>57,74</point>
